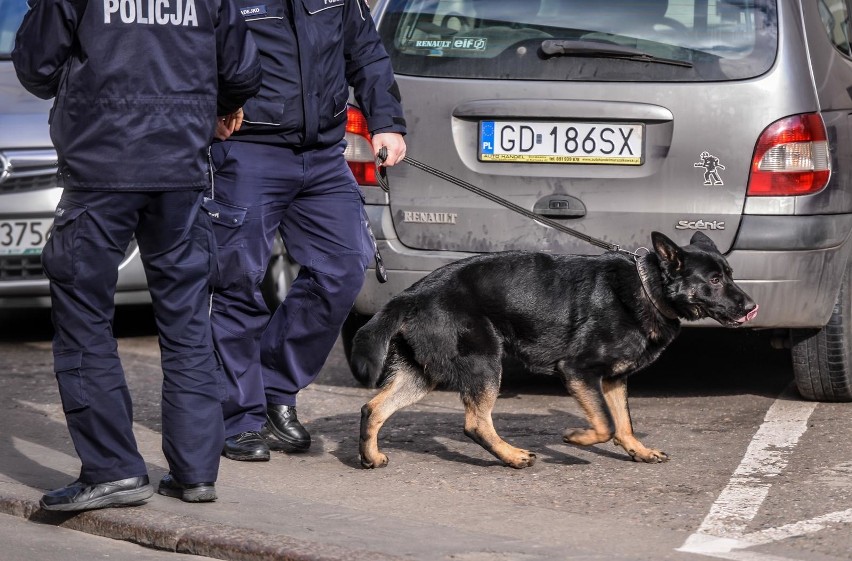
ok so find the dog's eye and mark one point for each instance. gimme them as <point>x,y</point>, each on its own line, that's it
<point>715,280</point>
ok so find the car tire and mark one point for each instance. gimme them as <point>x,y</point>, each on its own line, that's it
<point>281,272</point>
<point>822,358</point>
<point>353,323</point>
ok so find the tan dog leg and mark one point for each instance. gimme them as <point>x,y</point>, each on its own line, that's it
<point>615,393</point>
<point>404,389</point>
<point>479,427</point>
<point>593,405</point>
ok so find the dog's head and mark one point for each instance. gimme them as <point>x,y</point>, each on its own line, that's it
<point>697,281</point>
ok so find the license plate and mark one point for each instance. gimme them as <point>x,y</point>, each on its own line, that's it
<point>23,237</point>
<point>561,142</point>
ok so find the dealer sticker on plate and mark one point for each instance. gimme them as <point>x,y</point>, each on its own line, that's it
<point>561,142</point>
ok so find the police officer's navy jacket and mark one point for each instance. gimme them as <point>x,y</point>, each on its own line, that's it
<point>311,50</point>
<point>138,86</point>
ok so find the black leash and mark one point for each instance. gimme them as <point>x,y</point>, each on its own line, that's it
<point>382,179</point>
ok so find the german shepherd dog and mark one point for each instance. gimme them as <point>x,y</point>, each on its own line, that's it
<point>592,320</point>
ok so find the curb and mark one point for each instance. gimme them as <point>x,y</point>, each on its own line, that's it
<point>182,534</point>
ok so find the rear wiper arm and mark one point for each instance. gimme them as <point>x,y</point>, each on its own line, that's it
<point>561,47</point>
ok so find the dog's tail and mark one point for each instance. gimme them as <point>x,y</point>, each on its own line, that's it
<point>370,344</point>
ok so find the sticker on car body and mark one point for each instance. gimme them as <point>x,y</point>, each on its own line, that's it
<point>711,166</point>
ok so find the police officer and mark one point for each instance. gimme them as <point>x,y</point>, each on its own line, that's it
<point>285,171</point>
<point>138,88</point>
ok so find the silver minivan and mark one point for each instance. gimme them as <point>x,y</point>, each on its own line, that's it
<point>28,187</point>
<point>620,117</point>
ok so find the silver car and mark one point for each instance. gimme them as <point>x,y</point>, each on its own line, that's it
<point>620,117</point>
<point>28,190</point>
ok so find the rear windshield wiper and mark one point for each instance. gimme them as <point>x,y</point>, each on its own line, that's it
<point>561,47</point>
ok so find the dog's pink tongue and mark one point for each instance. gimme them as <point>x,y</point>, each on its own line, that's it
<point>749,316</point>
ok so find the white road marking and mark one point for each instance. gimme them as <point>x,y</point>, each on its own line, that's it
<point>766,457</point>
<point>799,528</point>
<point>723,534</point>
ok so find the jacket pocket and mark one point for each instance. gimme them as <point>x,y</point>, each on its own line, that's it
<point>58,256</point>
<point>340,102</point>
<point>261,112</point>
<point>315,7</point>
<point>334,110</point>
<point>72,388</point>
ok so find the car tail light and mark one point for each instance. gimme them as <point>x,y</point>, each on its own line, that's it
<point>791,158</point>
<point>359,148</point>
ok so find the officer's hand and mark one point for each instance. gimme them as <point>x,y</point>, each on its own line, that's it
<point>395,144</point>
<point>225,126</point>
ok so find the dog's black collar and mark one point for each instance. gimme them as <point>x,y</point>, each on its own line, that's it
<point>644,277</point>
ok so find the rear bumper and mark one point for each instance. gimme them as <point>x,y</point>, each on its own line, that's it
<point>795,287</point>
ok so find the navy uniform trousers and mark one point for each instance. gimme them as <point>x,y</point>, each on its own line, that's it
<point>91,233</point>
<point>313,200</point>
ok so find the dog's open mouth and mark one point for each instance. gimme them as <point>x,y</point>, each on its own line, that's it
<point>749,316</point>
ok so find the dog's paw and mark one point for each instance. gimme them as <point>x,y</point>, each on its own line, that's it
<point>521,459</point>
<point>649,456</point>
<point>378,461</point>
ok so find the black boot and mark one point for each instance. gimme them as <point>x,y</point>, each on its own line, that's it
<point>190,492</point>
<point>85,496</point>
<point>246,447</point>
<point>283,431</point>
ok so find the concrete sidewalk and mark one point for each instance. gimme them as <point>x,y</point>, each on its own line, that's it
<point>154,525</point>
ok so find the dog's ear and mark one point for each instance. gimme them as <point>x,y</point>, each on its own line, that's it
<point>702,240</point>
<point>667,250</point>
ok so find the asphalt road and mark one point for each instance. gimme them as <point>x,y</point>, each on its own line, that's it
<point>756,474</point>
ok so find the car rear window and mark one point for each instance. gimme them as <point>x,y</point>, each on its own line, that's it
<point>588,40</point>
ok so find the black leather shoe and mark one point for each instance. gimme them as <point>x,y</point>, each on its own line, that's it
<point>246,447</point>
<point>84,496</point>
<point>187,492</point>
<point>283,431</point>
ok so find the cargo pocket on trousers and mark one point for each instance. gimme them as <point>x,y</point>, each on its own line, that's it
<point>72,390</point>
<point>58,255</point>
<point>229,268</point>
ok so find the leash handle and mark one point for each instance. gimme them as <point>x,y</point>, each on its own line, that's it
<point>381,171</point>
<point>382,179</point>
